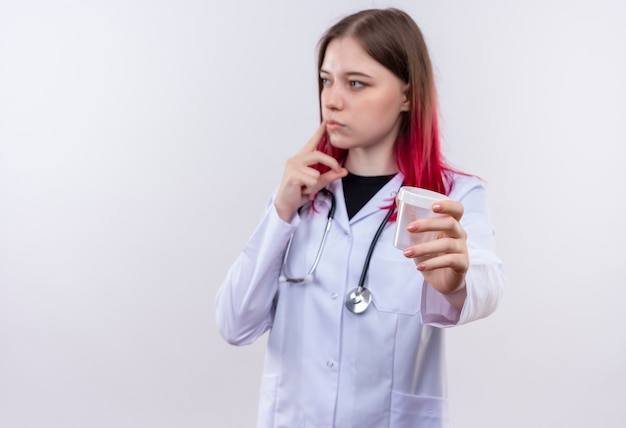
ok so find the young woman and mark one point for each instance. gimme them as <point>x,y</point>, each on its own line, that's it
<point>332,359</point>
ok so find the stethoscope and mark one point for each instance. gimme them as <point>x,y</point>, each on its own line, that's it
<point>359,298</point>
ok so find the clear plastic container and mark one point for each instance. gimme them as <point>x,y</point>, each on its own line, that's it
<point>414,203</point>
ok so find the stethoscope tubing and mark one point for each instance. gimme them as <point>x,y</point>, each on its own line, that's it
<point>370,251</point>
<point>358,299</point>
<point>318,256</point>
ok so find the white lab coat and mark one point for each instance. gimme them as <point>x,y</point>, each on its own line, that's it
<point>327,367</point>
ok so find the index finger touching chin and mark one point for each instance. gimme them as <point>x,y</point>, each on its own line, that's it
<point>311,145</point>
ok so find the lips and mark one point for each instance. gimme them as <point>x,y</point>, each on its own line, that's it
<point>333,125</point>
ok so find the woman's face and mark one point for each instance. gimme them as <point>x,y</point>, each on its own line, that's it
<point>361,99</point>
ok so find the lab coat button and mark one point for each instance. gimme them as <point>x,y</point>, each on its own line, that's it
<point>333,295</point>
<point>330,364</point>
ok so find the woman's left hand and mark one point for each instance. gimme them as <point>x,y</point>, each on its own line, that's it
<point>443,261</point>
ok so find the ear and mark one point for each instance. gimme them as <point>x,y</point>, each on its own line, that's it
<point>406,103</point>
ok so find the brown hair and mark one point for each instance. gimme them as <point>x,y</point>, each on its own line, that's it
<point>392,38</point>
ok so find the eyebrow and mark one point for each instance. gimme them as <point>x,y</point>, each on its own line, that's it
<point>349,73</point>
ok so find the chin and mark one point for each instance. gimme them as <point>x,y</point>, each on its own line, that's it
<point>339,142</point>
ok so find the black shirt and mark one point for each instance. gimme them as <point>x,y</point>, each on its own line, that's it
<point>357,190</point>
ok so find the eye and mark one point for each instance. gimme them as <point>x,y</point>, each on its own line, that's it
<point>356,84</point>
<point>324,80</point>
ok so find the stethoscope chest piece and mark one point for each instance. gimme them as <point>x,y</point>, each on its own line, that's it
<point>358,300</point>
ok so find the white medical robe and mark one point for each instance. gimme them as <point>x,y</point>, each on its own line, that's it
<point>327,367</point>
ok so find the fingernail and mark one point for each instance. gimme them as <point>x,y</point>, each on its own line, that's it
<point>437,207</point>
<point>412,228</point>
<point>421,266</point>
<point>408,252</point>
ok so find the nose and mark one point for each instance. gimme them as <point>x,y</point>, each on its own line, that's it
<point>332,99</point>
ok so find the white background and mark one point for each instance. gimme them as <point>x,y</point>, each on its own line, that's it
<point>140,140</point>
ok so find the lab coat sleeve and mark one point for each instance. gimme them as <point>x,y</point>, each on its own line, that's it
<point>485,277</point>
<point>245,300</point>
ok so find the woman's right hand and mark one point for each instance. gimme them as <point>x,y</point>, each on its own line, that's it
<point>300,182</point>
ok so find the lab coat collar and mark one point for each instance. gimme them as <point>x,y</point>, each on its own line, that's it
<point>382,198</point>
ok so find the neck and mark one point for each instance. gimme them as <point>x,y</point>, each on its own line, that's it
<point>369,163</point>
